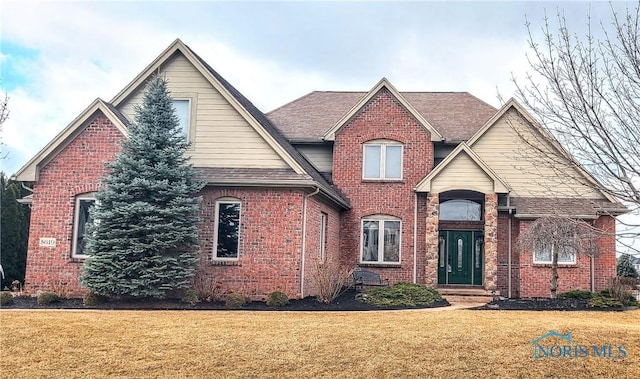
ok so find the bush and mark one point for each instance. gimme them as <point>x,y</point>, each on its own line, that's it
<point>277,299</point>
<point>6,298</point>
<point>47,298</point>
<point>329,279</point>
<point>400,295</point>
<point>619,290</point>
<point>207,288</point>
<point>190,297</point>
<point>602,300</point>
<point>576,294</point>
<point>91,299</point>
<point>235,300</point>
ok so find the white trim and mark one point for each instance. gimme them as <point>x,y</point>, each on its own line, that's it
<point>560,263</point>
<point>76,214</point>
<point>383,154</point>
<point>324,225</point>
<point>226,200</point>
<point>381,218</point>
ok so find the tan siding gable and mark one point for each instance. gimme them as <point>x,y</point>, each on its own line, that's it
<point>519,165</point>
<point>319,156</point>
<point>220,136</point>
<point>462,173</point>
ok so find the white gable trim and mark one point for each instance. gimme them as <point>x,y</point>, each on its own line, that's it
<point>330,135</point>
<point>179,46</point>
<point>31,170</point>
<point>499,185</point>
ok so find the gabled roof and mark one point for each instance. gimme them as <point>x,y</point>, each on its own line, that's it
<point>499,185</point>
<point>383,83</point>
<point>30,171</point>
<point>306,174</point>
<point>456,115</point>
<point>513,104</point>
<point>536,207</point>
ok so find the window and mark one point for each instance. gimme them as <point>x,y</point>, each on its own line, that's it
<point>566,255</point>
<point>82,219</point>
<point>382,161</point>
<point>183,111</point>
<point>380,240</point>
<point>324,219</point>
<point>227,235</point>
<point>460,210</point>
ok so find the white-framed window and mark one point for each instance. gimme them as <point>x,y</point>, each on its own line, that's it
<point>324,220</point>
<point>380,240</point>
<point>183,111</point>
<point>382,160</point>
<point>81,220</point>
<point>566,256</point>
<point>227,229</point>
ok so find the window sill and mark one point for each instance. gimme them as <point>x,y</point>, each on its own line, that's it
<point>224,263</point>
<point>560,265</point>
<point>401,181</point>
<point>380,265</point>
<point>78,259</point>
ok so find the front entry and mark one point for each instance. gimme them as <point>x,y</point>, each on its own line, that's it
<point>460,257</point>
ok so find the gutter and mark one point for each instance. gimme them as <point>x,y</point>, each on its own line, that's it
<point>304,238</point>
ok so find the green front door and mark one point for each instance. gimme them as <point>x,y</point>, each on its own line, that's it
<point>460,257</point>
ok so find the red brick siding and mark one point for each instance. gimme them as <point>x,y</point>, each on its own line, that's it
<point>503,256</point>
<point>534,278</point>
<point>382,118</point>
<point>75,170</point>
<point>270,241</point>
<point>332,248</point>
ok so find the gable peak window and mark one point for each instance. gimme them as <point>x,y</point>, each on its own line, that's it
<point>380,240</point>
<point>81,221</point>
<point>183,111</point>
<point>227,229</point>
<point>382,160</point>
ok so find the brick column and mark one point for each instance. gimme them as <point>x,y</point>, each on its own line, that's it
<point>431,245</point>
<point>491,242</point>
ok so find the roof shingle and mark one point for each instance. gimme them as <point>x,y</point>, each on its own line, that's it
<point>456,115</point>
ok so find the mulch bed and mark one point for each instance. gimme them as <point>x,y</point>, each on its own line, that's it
<point>544,304</point>
<point>345,302</point>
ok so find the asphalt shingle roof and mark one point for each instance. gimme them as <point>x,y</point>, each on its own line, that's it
<point>456,115</point>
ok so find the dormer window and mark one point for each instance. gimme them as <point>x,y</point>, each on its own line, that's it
<point>382,160</point>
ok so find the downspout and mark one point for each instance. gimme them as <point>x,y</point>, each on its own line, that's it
<point>415,237</point>
<point>304,237</point>
<point>509,246</point>
<point>593,273</point>
<point>25,187</point>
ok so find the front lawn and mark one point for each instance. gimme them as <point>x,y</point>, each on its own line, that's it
<point>394,344</point>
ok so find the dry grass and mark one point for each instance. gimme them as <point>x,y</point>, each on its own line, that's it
<point>394,344</point>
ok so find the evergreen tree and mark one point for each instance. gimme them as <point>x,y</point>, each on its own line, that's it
<point>625,269</point>
<point>14,231</point>
<point>144,238</point>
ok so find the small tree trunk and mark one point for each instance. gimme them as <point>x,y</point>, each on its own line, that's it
<point>554,273</point>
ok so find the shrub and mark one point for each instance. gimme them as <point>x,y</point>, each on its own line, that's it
<point>277,299</point>
<point>190,297</point>
<point>399,295</point>
<point>619,290</point>
<point>91,299</point>
<point>235,300</point>
<point>576,294</point>
<point>207,288</point>
<point>329,279</point>
<point>6,298</point>
<point>47,298</point>
<point>602,300</point>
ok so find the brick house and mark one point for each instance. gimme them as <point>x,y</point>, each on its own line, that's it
<point>420,187</point>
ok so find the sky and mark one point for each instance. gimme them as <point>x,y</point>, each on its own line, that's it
<point>56,57</point>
